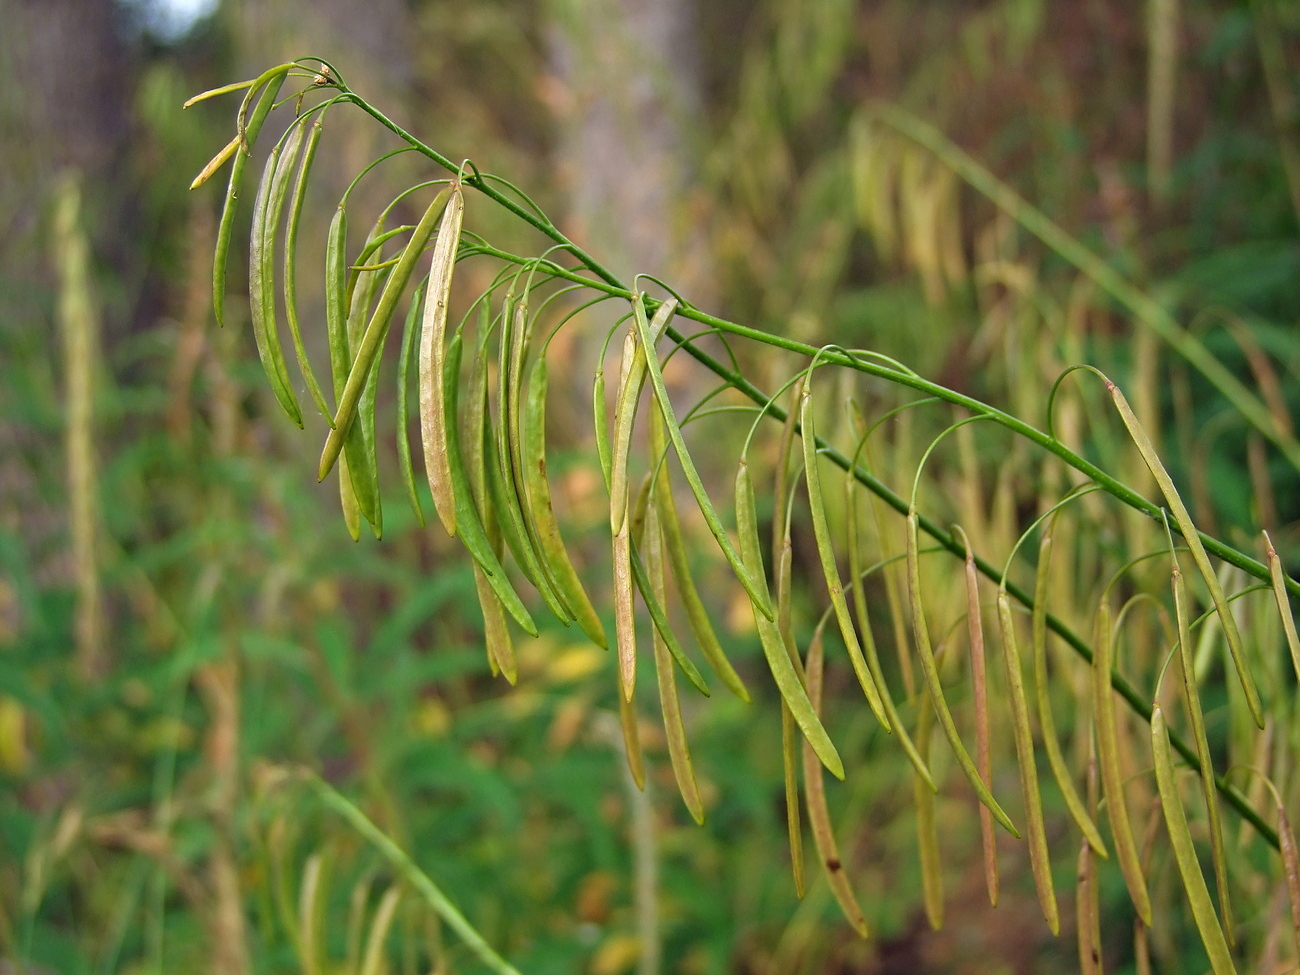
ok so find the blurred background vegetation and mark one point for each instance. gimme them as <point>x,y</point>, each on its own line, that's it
<point>181,607</point>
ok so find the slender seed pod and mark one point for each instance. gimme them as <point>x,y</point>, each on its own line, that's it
<point>291,272</point>
<point>1291,866</point>
<point>869,638</point>
<point>268,205</point>
<point>404,464</point>
<point>1193,538</point>
<point>369,345</point>
<point>1088,913</point>
<point>348,501</point>
<point>497,641</point>
<point>624,612</point>
<point>358,438</point>
<point>675,545</point>
<point>789,767</point>
<point>269,85</point>
<point>1198,895</point>
<point>979,687</point>
<point>679,753</point>
<point>519,535</point>
<point>1209,790</point>
<point>774,650</point>
<point>757,591</point>
<point>472,533</point>
<point>625,405</point>
<point>215,163</point>
<point>602,424</point>
<point>931,670</point>
<point>1046,722</point>
<point>336,313</point>
<point>927,837</point>
<point>659,618</point>
<point>1039,858</point>
<point>311,895</point>
<point>1112,777</point>
<point>818,812</point>
<point>373,959</point>
<point>433,419</point>
<point>1277,577</point>
<point>826,552</point>
<point>538,495</point>
<point>631,740</point>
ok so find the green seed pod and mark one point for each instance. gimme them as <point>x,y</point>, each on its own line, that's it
<point>404,464</point>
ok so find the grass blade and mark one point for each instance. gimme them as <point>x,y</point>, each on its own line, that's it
<point>1207,924</point>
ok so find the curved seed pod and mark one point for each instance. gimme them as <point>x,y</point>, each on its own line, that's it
<point>358,437</point>
<point>1230,632</point>
<point>790,770</point>
<point>268,204</point>
<point>1277,577</point>
<point>774,649</point>
<point>927,837</point>
<point>404,406</point>
<point>311,897</point>
<point>373,960</point>
<point>675,545</point>
<point>979,687</point>
<point>1088,913</point>
<point>931,670</point>
<point>869,638</point>
<point>602,424</point>
<point>538,494</point>
<point>215,163</point>
<point>631,380</point>
<point>624,612</point>
<point>369,345</point>
<point>270,84</point>
<point>511,511</point>
<point>625,405</point>
<point>1039,859</point>
<point>1209,790</point>
<point>433,420</point>
<point>1046,723</point>
<point>1207,924</point>
<point>336,312</point>
<point>472,533</point>
<point>497,640</point>
<point>757,590</point>
<point>826,552</point>
<point>659,617</point>
<point>678,750</point>
<point>631,740</point>
<point>1291,866</point>
<point>819,817</point>
<point>291,271</point>
<point>1112,777</point>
